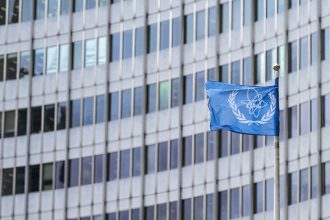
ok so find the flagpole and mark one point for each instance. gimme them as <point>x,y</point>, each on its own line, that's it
<point>276,68</point>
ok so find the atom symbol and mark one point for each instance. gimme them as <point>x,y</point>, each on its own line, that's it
<point>254,102</point>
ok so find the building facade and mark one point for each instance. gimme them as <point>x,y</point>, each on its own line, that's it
<point>103,113</point>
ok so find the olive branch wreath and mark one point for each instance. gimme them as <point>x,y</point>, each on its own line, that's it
<point>241,118</point>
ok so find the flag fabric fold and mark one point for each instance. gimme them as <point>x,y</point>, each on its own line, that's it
<point>244,109</point>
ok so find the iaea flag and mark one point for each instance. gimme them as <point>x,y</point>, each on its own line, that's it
<point>244,109</point>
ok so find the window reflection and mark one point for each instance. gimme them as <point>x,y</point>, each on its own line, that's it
<point>200,25</point>
<point>98,168</point>
<point>114,106</point>
<point>11,66</point>
<point>100,108</point>
<point>187,151</point>
<point>73,172</point>
<point>36,119</point>
<point>3,4</point>
<point>126,98</point>
<point>198,207</point>
<point>78,5</point>
<point>9,124</point>
<point>47,176</point>
<point>236,14</point>
<point>246,201</point>
<point>139,41</point>
<point>150,158</point>
<point>303,52</point>
<point>164,34</point>
<point>24,64</point>
<point>90,52</point>
<point>21,122</point>
<point>49,117</point>
<point>303,185</point>
<point>114,46</point>
<point>101,50</point>
<point>51,60</point>
<point>163,95</point>
<point>127,44</point>
<point>112,166</point>
<point>64,53</point>
<point>176,31</point>
<point>162,156</point>
<point>224,17</point>
<point>61,115</point>
<point>151,98</point>
<point>52,8</point>
<point>13,11</point>
<point>200,86</point>
<point>152,38</point>
<point>75,113</point>
<point>186,209</point>
<point>174,153</point>
<point>38,59</point>
<point>86,170</point>
<point>136,161</point>
<point>77,55</point>
<point>292,51</point>
<point>2,67</point>
<point>234,203</point>
<point>20,180</point>
<point>189,28</point>
<point>212,21</point>
<point>138,100</point>
<point>125,163</point>
<point>175,92</point>
<point>292,188</point>
<point>188,89</point>
<point>161,212</point>
<point>39,9</point>
<point>59,175</point>
<point>269,194</point>
<point>199,148</point>
<point>7,181</point>
<point>258,197</point>
<point>88,110</point>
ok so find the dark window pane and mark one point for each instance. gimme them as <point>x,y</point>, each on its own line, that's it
<point>188,89</point>
<point>326,178</point>
<point>52,8</point>
<point>112,166</point>
<point>304,125</point>
<point>152,38</point>
<point>210,145</point>
<point>187,151</point>
<point>77,55</point>
<point>292,188</point>
<point>270,60</point>
<point>139,41</point>
<point>224,73</point>
<point>9,124</point>
<point>114,106</point>
<point>2,62</point>
<point>61,115</point>
<point>246,200</point>
<point>247,142</point>
<point>292,50</point>
<point>293,122</point>
<point>303,185</point>
<point>73,172</point>
<point>34,175</point>
<point>20,180</point>
<point>174,154</point>
<point>259,67</point>
<point>90,4</point>
<point>269,194</point>
<point>223,205</point>
<point>135,214</point>
<point>292,3</point>
<point>39,9</point>
<point>176,31</point>
<point>303,52</point>
<point>212,21</point>
<point>235,72</point>
<point>125,163</point>
<point>47,176</point>
<point>49,117</point>
<point>78,5</point>
<point>224,143</point>
<point>162,156</point>
<point>86,170</point>
<point>200,86</point>
<point>150,159</point>
<point>259,10</point>
<point>38,66</point>
<point>200,25</point>
<point>175,92</point>
<point>100,108</point>
<point>209,207</point>
<point>235,143</point>
<point>211,74</point>
<point>88,110</point>
<point>234,203</point>
<point>258,197</point>
<point>11,66</point>
<point>3,12</point>
<point>136,161</point>
<point>128,44</point>
<point>138,100</point>
<point>199,148</point>
<point>114,46</point>
<point>258,141</point>
<point>126,96</point>
<point>161,212</point>
<point>224,17</point>
<point>64,58</point>
<point>198,208</point>
<point>188,27</point>
<point>24,65</point>
<point>173,211</point>
<point>149,213</point>
<point>326,110</point>
<point>7,181</point>
<point>236,14</point>
<point>98,168</point>
<point>164,34</point>
<point>247,77</point>
<point>64,7</point>
<point>35,119</point>
<point>163,95</point>
<point>151,97</point>
<point>314,181</point>
<point>186,209</point>
<point>59,174</point>
<point>75,113</point>
<point>123,215</point>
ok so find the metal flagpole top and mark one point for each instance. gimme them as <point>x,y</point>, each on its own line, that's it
<point>276,67</point>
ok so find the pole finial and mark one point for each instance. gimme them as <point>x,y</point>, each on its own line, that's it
<point>276,67</point>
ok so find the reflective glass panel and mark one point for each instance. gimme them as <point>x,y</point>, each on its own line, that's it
<point>86,170</point>
<point>11,66</point>
<point>246,201</point>
<point>269,194</point>
<point>187,151</point>
<point>152,38</point>
<point>209,207</point>
<point>150,158</point>
<point>224,17</point>
<point>128,44</point>
<point>125,163</point>
<point>151,97</point>
<point>198,208</point>
<point>101,50</point>
<point>139,41</point>
<point>223,205</point>
<point>61,115</point>
<point>161,212</point>
<point>162,156</point>
<point>247,76</point>
<point>112,166</point>
<point>98,168</point>
<point>200,25</point>
<point>259,67</point>
<point>210,145</point>
<point>175,92</point>
<point>136,161</point>
<point>9,124</point>
<point>13,11</point>
<point>212,21</point>
<point>270,8</point>
<point>78,5</point>
<point>26,10</point>
<point>188,89</point>
<point>224,143</point>
<point>292,188</point>
<point>235,143</point>
<point>189,28</point>
<point>173,211</point>
<point>303,185</point>
<point>163,95</point>
<point>200,86</point>
<point>75,113</point>
<point>2,66</point>
<point>292,50</point>
<point>88,110</point>
<point>303,52</point>
<point>186,209</point>
<point>114,106</point>
<point>236,15</point>
<point>247,11</point>
<point>224,73</point>
<point>90,4</point>
<point>314,182</point>
<point>3,5</point>
<point>304,124</point>
<point>126,100</point>
<point>176,31</point>
<point>34,178</point>
<point>259,10</point>
<point>174,153</point>
<point>314,53</point>
<point>64,57</point>
<point>7,181</point>
<point>20,180</point>
<point>24,65</point>
<point>59,175</point>
<point>64,7</point>
<point>100,108</point>
<point>36,119</point>
<point>293,117</point>
<point>199,148</point>
<point>40,6</point>
<point>235,72</point>
<point>258,197</point>
<point>135,214</point>
<point>114,46</point>
<point>77,55</point>
<point>49,117</point>
<point>47,176</point>
<point>90,52</point>
<point>52,8</point>
<point>234,203</point>
<point>149,213</point>
<point>164,34</point>
<point>270,60</point>
<point>21,122</point>
<point>73,172</point>
<point>138,100</point>
<point>51,60</point>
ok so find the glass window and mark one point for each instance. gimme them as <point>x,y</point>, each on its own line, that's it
<point>314,182</point>
<point>138,100</point>
<point>112,166</point>
<point>136,161</point>
<point>187,151</point>
<point>292,188</point>
<point>151,97</point>
<point>270,61</point>
<point>303,185</point>
<point>47,176</point>
<point>3,12</point>
<point>64,57</point>
<point>86,170</point>
<point>13,11</point>
<point>246,200</point>
<point>209,207</point>
<point>258,141</point>
<point>73,172</point>
<point>77,55</point>
<point>59,175</point>
<point>64,7</point>
<point>49,117</point>
<point>247,142</point>
<point>11,66</point>
<point>270,8</point>
<point>98,168</point>
<point>2,64</point>
<point>174,154</point>
<point>150,158</point>
<point>100,108</point>
<point>200,86</point>
<point>234,203</point>
<point>236,14</point>
<point>292,50</point>
<point>223,205</point>
<point>88,110</point>
<point>212,21</point>
<point>126,96</point>
<point>189,28</point>
<point>199,148</point>
<point>40,6</point>
<point>281,6</point>
<point>164,34</point>
<point>247,12</point>
<point>326,178</point>
<point>314,49</point>
<point>176,31</point>
<point>235,143</point>
<point>304,125</point>
<point>152,38</point>
<point>61,115</point>
<point>314,115</point>
<point>75,113</point>
<point>269,194</point>
<point>247,77</point>
<point>90,52</point>
<point>127,44</point>
<point>7,181</point>
<point>293,121</point>
<point>198,208</point>
<point>123,215</point>
<point>24,65</point>
<point>35,119</point>
<point>224,73</point>
<point>224,143</point>
<point>9,124</point>
<point>135,214</point>
<point>186,209</point>
<point>304,52</point>
<point>326,110</point>
<point>162,156</point>
<point>259,10</point>
<point>211,74</point>
<point>210,145</point>
<point>188,89</point>
<point>173,211</point>
<point>20,180</point>
<point>282,125</point>
<point>200,25</point>
<point>281,56</point>
<point>161,212</point>
<point>101,50</point>
<point>114,106</point>
<point>163,95</point>
<point>224,17</point>
<point>78,5</point>
<point>111,216</point>
<point>259,67</point>
<point>235,72</point>
<point>52,8</point>
<point>34,175</point>
<point>293,3</point>
<point>175,92</point>
<point>283,194</point>
<point>149,213</point>
<point>90,4</point>
<point>258,197</point>
<point>125,163</point>
<point>139,41</point>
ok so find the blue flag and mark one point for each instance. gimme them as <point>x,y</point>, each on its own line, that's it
<point>244,109</point>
